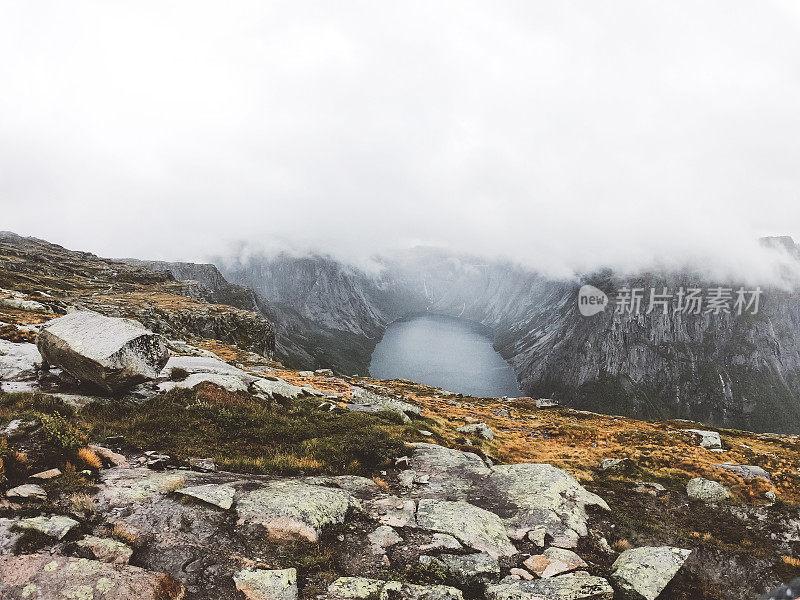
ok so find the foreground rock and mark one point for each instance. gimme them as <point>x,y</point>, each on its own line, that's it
<point>472,526</point>
<point>575,586</point>
<point>211,493</point>
<point>643,573</point>
<point>294,510</point>
<point>361,588</point>
<point>554,561</point>
<point>111,353</point>
<point>45,576</point>
<point>18,362</point>
<point>56,526</point>
<point>267,584</point>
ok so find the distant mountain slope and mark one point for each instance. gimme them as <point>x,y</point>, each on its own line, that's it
<point>737,371</point>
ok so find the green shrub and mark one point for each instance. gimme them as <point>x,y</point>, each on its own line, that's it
<point>60,432</point>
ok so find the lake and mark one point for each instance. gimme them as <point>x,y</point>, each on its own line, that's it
<point>442,351</point>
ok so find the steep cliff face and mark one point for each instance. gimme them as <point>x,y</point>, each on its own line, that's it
<point>739,371</point>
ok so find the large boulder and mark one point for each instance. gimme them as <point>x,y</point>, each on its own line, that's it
<point>643,573</point>
<point>111,353</point>
<point>45,576</point>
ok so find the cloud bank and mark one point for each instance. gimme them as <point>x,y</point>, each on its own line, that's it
<point>563,135</point>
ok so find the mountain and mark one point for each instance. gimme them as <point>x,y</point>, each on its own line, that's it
<point>725,369</point>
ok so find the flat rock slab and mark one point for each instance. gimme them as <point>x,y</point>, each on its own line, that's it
<point>575,586</point>
<point>361,588</point>
<point>133,486</point>
<point>745,471</point>
<point>267,584</point>
<point>45,576</point>
<point>56,526</point>
<point>472,526</point>
<point>467,569</point>
<point>211,493</point>
<point>452,474</point>
<point>644,572</point>
<point>111,353</point>
<point>107,550</point>
<point>543,496</point>
<point>28,491</point>
<point>293,510</point>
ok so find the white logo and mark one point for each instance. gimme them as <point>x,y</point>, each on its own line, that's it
<point>591,300</point>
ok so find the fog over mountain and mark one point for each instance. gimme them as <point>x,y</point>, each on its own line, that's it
<point>565,136</point>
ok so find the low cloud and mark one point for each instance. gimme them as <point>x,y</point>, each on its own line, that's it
<point>564,136</point>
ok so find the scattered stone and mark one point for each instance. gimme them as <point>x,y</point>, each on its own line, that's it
<point>364,400</point>
<point>644,572</point>
<point>521,573</point>
<point>291,510</point>
<point>49,474</point>
<point>112,353</point>
<point>771,495</point>
<point>468,569</point>
<point>204,465</point>
<point>323,373</point>
<point>537,536</point>
<point>107,550</point>
<point>232,383</point>
<point>220,495</point>
<point>472,526</point>
<point>45,576</point>
<point>17,428</point>
<point>18,362</point>
<point>706,439</point>
<point>574,586</point>
<point>305,373</point>
<point>545,403</point>
<point>267,584</point>
<point>482,430</point>
<point>706,490</point>
<point>384,537</point>
<point>425,432</point>
<point>649,487</point>
<point>56,526</point>
<point>28,491</point>
<point>441,541</point>
<point>158,462</point>
<point>554,561</point>
<point>114,458</point>
<point>614,463</point>
<point>745,471</point>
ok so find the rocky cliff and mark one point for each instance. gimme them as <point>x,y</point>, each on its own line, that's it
<point>739,371</point>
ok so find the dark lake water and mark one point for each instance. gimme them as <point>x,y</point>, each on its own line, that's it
<point>445,352</point>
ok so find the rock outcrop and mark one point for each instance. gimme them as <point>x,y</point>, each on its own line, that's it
<point>113,354</point>
<point>643,573</point>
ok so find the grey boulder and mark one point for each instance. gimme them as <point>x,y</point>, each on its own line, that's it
<point>112,353</point>
<point>267,584</point>
<point>482,430</point>
<point>706,490</point>
<point>643,573</point>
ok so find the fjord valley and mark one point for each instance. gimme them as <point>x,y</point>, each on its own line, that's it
<point>159,439</point>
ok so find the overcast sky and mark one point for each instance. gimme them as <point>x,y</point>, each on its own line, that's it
<point>564,135</point>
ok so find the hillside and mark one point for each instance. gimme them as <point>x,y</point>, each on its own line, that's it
<point>229,475</point>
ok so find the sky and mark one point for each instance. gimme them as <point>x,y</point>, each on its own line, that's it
<point>562,135</point>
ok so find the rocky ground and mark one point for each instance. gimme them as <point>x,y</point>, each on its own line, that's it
<point>138,466</point>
